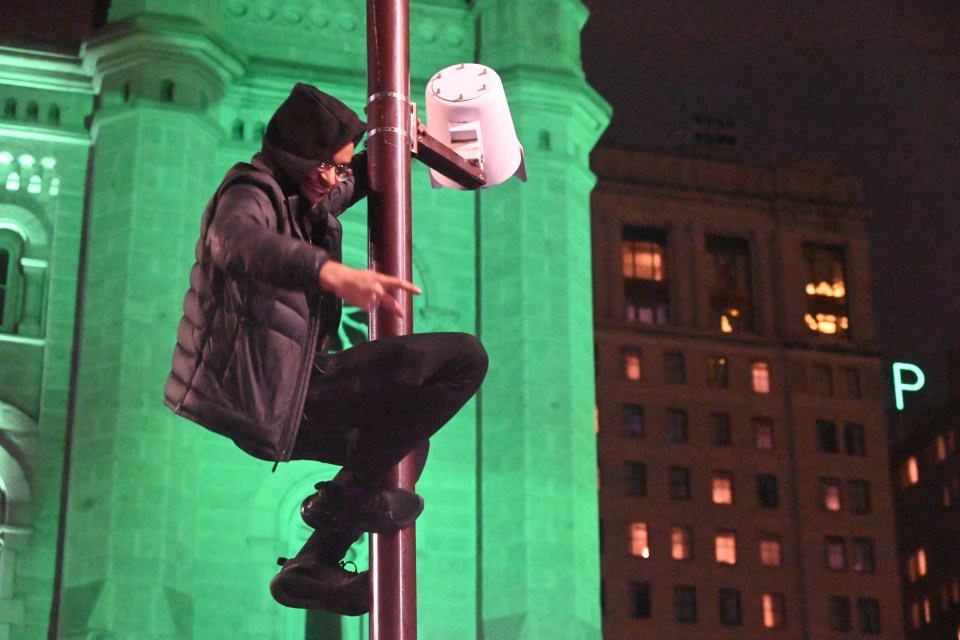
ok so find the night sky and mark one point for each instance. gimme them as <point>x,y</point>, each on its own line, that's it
<point>873,85</point>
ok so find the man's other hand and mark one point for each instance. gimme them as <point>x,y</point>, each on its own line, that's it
<point>364,288</point>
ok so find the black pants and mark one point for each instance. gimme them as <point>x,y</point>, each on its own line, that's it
<point>371,405</point>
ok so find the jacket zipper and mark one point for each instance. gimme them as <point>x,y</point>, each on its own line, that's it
<point>296,409</point>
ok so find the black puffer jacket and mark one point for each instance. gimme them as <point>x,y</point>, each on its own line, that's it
<point>252,315</point>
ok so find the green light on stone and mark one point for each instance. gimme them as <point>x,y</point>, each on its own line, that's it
<point>899,385</point>
<point>13,181</point>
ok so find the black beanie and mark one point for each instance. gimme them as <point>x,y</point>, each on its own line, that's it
<point>307,129</point>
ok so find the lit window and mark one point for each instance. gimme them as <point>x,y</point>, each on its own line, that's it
<point>830,490</point>
<point>774,610</point>
<point>909,472</point>
<point>718,374</point>
<point>722,488</point>
<point>725,544</point>
<point>770,550</point>
<point>645,275</point>
<point>927,610</point>
<point>940,448</point>
<point>632,367</point>
<point>826,290</point>
<point>763,433</point>
<point>917,565</point>
<point>681,543</point>
<point>639,541</point>
<point>730,289</point>
<point>760,373</point>
<point>835,553</point>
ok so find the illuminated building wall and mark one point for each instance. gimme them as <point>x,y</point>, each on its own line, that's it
<point>742,433</point>
<point>170,531</point>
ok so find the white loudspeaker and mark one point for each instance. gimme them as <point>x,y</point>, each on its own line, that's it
<point>467,111</point>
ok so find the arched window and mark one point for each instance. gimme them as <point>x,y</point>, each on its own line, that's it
<point>166,91</point>
<point>33,111</point>
<point>236,133</point>
<point>10,249</point>
<point>53,115</point>
<point>10,108</point>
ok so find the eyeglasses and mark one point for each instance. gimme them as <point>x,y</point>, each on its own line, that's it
<point>342,171</point>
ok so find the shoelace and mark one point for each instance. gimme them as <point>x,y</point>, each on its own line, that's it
<point>344,563</point>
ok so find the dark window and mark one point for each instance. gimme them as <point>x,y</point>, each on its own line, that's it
<point>679,483</point>
<point>676,425</point>
<point>10,108</point>
<point>11,246</point>
<point>854,439</point>
<point>838,613</point>
<point>731,291</point>
<point>4,276</point>
<point>722,431</point>
<point>639,599</point>
<point>763,433</point>
<point>633,420</point>
<point>718,372</point>
<point>827,437</point>
<point>53,115</point>
<point>858,496</point>
<point>731,612</point>
<point>835,553</point>
<point>821,380</point>
<point>635,476</point>
<point>645,290</point>
<point>768,495</point>
<point>166,91</point>
<point>674,367</point>
<point>826,290</point>
<point>862,558</point>
<point>685,604</point>
<point>851,382</point>
<point>868,612</point>
<point>33,111</point>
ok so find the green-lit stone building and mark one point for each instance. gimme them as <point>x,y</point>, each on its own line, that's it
<point>120,520</point>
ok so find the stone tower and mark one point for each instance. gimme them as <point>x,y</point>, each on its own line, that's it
<point>169,531</point>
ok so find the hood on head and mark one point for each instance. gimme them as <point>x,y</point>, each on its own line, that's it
<point>308,128</point>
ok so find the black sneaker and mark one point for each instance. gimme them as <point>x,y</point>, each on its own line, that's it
<point>391,510</point>
<point>329,587</point>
